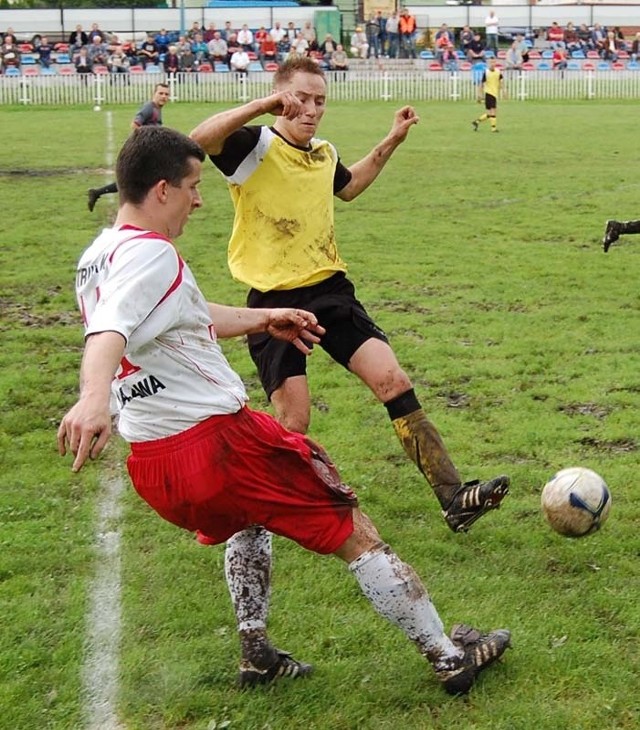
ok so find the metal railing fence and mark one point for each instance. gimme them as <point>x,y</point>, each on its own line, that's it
<point>367,85</point>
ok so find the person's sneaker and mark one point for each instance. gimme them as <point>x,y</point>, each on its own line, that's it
<point>92,195</point>
<point>612,233</point>
<point>480,651</point>
<point>474,124</point>
<point>495,129</point>
<point>472,500</point>
<point>284,666</point>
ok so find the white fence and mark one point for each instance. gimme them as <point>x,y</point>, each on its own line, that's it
<point>404,85</point>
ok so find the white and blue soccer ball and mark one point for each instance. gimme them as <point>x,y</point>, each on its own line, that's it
<point>576,501</point>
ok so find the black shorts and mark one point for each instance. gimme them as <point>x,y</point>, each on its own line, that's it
<point>490,102</point>
<point>334,303</point>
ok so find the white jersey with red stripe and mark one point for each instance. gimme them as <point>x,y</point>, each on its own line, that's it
<point>174,374</point>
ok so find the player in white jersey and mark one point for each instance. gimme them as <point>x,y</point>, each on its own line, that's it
<point>199,456</point>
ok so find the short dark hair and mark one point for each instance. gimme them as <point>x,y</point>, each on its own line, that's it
<point>151,154</point>
<point>161,85</point>
<point>296,64</point>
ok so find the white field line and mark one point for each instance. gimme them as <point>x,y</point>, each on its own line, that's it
<point>101,662</point>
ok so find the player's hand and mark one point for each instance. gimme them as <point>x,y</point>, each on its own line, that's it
<point>404,119</point>
<point>284,104</point>
<point>85,431</point>
<point>295,326</point>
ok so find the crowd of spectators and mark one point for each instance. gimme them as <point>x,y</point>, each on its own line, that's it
<point>235,49</point>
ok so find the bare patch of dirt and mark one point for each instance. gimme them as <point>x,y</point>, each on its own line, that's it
<point>616,446</point>
<point>585,409</point>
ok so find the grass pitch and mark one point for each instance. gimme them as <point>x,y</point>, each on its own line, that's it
<point>479,254</point>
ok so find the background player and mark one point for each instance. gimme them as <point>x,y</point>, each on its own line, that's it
<point>615,229</point>
<point>492,87</point>
<point>149,115</point>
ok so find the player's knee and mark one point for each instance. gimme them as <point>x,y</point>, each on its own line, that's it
<point>292,421</point>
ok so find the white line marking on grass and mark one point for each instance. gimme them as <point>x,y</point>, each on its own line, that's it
<point>101,663</point>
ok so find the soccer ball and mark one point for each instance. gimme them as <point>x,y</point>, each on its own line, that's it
<point>96,108</point>
<point>576,501</point>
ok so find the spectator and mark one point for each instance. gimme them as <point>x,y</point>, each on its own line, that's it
<point>339,61</point>
<point>278,34</point>
<point>476,52</point>
<point>245,38</point>
<point>9,53</point>
<point>260,35</point>
<point>300,45</point>
<point>572,40</point>
<point>83,62</point>
<point>635,48</point>
<point>373,30</point>
<point>268,49</point>
<point>514,58</point>
<point>162,41</point>
<point>382,35</point>
<point>200,50</point>
<point>393,35</point>
<point>98,52</point>
<point>555,35</point>
<point>240,61</point>
<point>186,59</point>
<point>359,45</point>
<point>148,53</point>
<point>292,32</point>
<point>309,33</point>
<point>117,61</point>
<point>622,44</point>
<point>611,48</point>
<point>449,59</point>
<point>209,33</point>
<point>444,39</point>
<point>78,38</point>
<point>598,38</point>
<point>171,61</point>
<point>586,37</point>
<point>466,36</point>
<point>227,31</point>
<point>559,60</point>
<point>183,45</point>
<point>327,47</point>
<point>491,27</point>
<point>522,47</point>
<point>232,46</point>
<point>408,28</point>
<point>95,31</point>
<point>45,49</point>
<point>218,49</point>
<point>194,31</point>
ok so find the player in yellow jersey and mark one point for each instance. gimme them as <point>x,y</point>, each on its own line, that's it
<point>492,86</point>
<point>282,180</point>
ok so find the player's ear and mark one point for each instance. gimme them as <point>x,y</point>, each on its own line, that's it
<point>161,189</point>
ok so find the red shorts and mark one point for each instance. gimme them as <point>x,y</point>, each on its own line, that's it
<point>234,471</point>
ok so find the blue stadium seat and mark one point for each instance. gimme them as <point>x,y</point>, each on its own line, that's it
<point>573,66</point>
<point>578,54</point>
<point>12,71</point>
<point>221,68</point>
<point>28,59</point>
<point>427,55</point>
<point>255,66</point>
<point>544,66</point>
<point>547,53</point>
<point>633,66</point>
<point>63,58</point>
<point>153,68</point>
<point>603,66</point>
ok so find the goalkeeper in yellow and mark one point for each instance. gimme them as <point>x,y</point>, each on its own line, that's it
<point>492,87</point>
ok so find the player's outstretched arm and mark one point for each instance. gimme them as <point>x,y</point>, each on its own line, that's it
<point>293,325</point>
<point>364,172</point>
<point>212,133</point>
<point>86,428</point>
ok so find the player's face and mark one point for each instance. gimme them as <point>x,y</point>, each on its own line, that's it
<point>161,96</point>
<point>184,199</point>
<point>311,90</point>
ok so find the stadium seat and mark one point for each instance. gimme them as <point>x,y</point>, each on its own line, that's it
<point>28,59</point>
<point>547,54</point>
<point>152,68</point>
<point>25,47</point>
<point>624,55</point>
<point>633,66</point>
<point>489,54</point>
<point>528,66</point>
<point>573,66</point>
<point>255,66</point>
<point>12,71</point>
<point>221,68</point>
<point>426,55</point>
<point>465,66</point>
<point>205,68</point>
<point>588,66</point>
<point>534,55</point>
<point>502,54</point>
<point>594,55</point>
<point>66,70</point>
<point>253,56</point>
<point>136,69</point>
<point>435,66</point>
<point>544,66</point>
<point>100,70</point>
<point>578,54</point>
<point>271,66</point>
<point>51,71</point>
<point>62,58</point>
<point>31,71</point>
<point>61,47</point>
<point>618,66</point>
<point>604,66</point>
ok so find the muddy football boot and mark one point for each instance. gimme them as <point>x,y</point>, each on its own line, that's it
<point>284,666</point>
<point>612,233</point>
<point>472,500</point>
<point>480,651</point>
<point>92,198</point>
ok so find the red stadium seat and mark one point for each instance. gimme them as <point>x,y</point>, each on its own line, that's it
<point>271,66</point>
<point>206,68</point>
<point>435,66</point>
<point>528,66</point>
